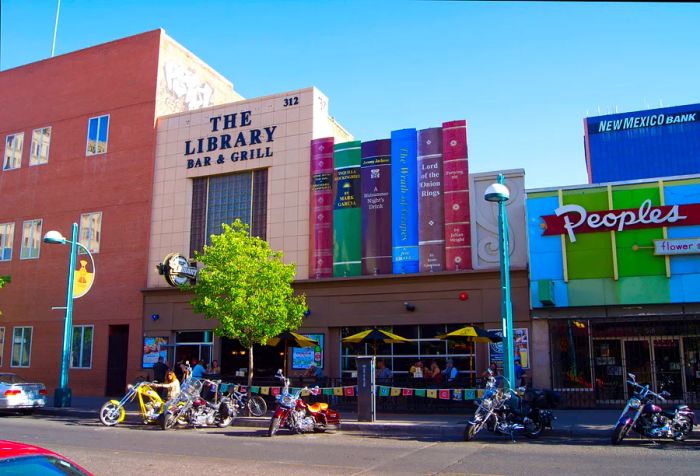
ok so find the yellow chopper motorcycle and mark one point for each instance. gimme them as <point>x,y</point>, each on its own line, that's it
<point>150,405</point>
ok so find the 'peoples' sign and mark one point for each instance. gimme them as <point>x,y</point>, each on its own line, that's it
<point>572,219</point>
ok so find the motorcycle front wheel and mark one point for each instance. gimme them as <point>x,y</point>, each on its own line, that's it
<point>274,426</point>
<point>619,433</point>
<point>257,406</point>
<point>472,429</point>
<point>111,413</point>
<point>167,420</point>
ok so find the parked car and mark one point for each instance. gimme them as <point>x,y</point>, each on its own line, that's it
<point>18,394</point>
<point>21,459</point>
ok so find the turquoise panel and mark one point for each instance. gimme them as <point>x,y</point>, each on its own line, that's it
<point>689,264</point>
<point>561,294</point>
<point>593,292</point>
<point>545,252</point>
<point>644,290</point>
<point>685,288</point>
<point>681,194</point>
<point>685,264</point>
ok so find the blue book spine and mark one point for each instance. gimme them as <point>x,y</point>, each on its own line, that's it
<point>404,202</point>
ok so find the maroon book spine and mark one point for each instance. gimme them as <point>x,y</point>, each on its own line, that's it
<point>458,243</point>
<point>321,209</point>
<point>376,207</point>
<point>431,216</point>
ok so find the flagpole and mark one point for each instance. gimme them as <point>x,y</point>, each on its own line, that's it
<point>55,28</point>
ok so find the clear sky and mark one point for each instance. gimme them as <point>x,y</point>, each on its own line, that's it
<point>524,75</point>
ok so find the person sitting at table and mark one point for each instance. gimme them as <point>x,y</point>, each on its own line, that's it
<point>313,372</point>
<point>417,370</point>
<point>434,375</point>
<point>382,372</point>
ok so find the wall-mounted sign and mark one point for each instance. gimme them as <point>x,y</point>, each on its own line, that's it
<point>230,132</point>
<point>681,246</point>
<point>177,270</point>
<point>572,219</point>
<point>154,347</point>
<point>642,120</point>
<point>303,357</point>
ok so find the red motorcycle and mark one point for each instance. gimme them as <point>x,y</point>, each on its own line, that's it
<point>294,414</point>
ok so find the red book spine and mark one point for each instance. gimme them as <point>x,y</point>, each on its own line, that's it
<point>458,243</point>
<point>321,209</point>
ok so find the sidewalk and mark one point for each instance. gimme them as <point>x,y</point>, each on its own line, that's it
<point>569,423</point>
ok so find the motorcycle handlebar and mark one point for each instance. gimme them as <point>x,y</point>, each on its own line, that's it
<point>646,387</point>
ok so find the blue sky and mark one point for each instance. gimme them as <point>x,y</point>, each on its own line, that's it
<point>523,74</point>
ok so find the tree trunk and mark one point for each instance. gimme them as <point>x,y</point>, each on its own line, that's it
<point>250,375</point>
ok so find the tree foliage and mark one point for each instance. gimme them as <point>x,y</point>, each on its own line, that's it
<point>246,286</point>
<point>3,281</point>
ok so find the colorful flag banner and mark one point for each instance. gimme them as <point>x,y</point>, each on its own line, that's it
<point>275,391</point>
<point>384,391</point>
<point>432,393</point>
<point>395,391</point>
<point>480,393</point>
<point>328,391</point>
<point>457,394</point>
<point>349,391</point>
<point>315,391</point>
<point>469,394</point>
<point>407,392</point>
<point>252,389</point>
<point>265,390</point>
<point>306,392</point>
<point>444,394</point>
<point>338,391</point>
<point>419,392</point>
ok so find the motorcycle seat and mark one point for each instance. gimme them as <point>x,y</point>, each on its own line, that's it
<point>318,407</point>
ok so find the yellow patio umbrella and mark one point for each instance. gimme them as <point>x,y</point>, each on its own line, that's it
<point>374,336</point>
<point>288,337</point>
<point>471,334</point>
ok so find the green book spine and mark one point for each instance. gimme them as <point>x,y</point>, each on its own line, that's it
<point>347,210</point>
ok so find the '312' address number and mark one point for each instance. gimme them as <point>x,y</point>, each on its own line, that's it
<point>292,101</point>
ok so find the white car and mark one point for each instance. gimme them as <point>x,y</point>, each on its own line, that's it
<point>18,394</point>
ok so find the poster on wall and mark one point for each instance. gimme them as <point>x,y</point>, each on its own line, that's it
<point>154,347</point>
<point>303,357</point>
<point>521,349</point>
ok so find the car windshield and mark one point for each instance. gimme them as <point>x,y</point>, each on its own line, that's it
<point>40,465</point>
<point>11,378</point>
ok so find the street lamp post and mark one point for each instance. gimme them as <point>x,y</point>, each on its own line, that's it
<point>500,194</point>
<point>62,395</point>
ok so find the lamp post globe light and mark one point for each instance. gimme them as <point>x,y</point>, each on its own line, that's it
<point>500,194</point>
<point>62,395</point>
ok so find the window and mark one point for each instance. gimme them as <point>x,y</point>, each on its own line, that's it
<point>21,346</point>
<point>13,151</point>
<point>222,199</point>
<point>2,343</point>
<point>98,133</point>
<point>7,234</point>
<point>31,239</point>
<point>41,139</point>
<point>90,228</point>
<point>81,347</point>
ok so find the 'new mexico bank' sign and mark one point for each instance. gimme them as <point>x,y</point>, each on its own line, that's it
<point>231,140</point>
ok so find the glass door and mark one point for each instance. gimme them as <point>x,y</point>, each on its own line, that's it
<point>667,366</point>
<point>607,359</point>
<point>691,347</point>
<point>638,361</point>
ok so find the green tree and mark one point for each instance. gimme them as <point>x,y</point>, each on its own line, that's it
<point>3,281</point>
<point>246,286</point>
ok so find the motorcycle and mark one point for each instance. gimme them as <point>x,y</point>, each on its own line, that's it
<point>150,405</point>
<point>190,408</point>
<point>506,412</point>
<point>647,419</point>
<point>294,414</point>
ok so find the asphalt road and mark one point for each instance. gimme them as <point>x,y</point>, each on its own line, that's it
<point>138,449</point>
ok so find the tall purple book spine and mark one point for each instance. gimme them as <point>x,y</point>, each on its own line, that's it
<point>458,243</point>
<point>376,207</point>
<point>431,213</point>
<point>321,209</point>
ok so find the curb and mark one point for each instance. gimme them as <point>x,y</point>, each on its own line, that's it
<point>418,429</point>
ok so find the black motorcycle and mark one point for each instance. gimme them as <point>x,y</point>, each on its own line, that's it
<point>506,412</point>
<point>647,419</point>
<point>191,408</point>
